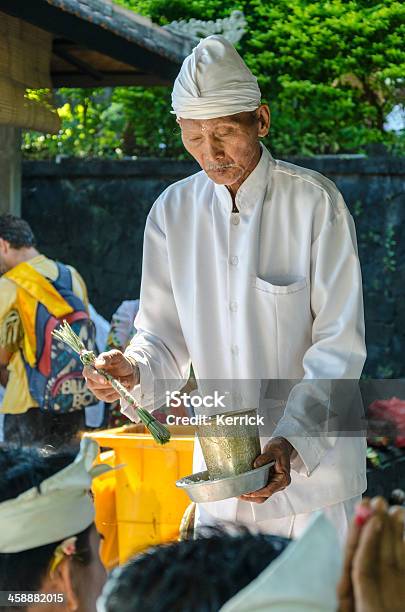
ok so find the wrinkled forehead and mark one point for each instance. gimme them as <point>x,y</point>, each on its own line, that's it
<point>237,120</point>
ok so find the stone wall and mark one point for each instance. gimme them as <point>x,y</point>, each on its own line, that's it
<point>91,214</point>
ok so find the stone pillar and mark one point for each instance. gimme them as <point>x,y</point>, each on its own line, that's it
<point>10,170</point>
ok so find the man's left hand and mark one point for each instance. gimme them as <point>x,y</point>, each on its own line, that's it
<point>278,450</point>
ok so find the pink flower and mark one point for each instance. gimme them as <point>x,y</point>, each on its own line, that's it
<point>69,546</point>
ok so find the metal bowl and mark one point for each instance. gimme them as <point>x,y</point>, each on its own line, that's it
<point>201,489</point>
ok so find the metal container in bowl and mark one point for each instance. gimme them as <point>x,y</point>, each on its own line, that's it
<point>201,489</point>
<point>229,449</point>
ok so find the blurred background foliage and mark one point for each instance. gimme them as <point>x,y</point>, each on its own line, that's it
<point>331,71</point>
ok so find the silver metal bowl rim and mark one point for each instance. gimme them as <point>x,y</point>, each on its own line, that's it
<point>182,484</point>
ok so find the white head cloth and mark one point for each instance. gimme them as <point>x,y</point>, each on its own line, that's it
<point>302,579</point>
<point>60,507</point>
<point>214,81</point>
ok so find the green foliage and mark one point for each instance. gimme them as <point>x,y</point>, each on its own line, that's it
<point>110,123</point>
<point>88,122</point>
<point>330,70</point>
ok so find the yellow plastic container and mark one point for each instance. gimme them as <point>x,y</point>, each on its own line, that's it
<point>148,505</point>
<point>104,487</point>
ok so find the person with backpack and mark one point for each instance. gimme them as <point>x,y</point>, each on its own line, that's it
<point>46,395</point>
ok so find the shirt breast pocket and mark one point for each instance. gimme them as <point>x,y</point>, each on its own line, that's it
<point>280,285</point>
<point>283,306</point>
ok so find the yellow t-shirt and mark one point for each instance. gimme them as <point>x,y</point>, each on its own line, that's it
<point>17,398</point>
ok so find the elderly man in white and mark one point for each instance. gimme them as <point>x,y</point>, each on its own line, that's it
<point>250,271</point>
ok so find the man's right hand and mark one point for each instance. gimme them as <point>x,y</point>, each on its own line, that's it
<point>116,364</point>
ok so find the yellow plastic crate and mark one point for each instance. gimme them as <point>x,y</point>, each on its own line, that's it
<point>104,488</point>
<point>148,505</point>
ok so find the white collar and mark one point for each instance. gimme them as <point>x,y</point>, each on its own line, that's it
<point>253,190</point>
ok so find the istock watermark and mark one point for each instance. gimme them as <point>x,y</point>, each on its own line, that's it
<point>175,399</point>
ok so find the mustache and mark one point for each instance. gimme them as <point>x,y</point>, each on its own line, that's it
<point>220,166</point>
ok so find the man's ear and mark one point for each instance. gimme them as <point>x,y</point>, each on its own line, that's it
<point>264,120</point>
<point>4,246</point>
<point>61,582</point>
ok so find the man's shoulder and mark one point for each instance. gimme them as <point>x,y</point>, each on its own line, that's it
<point>52,268</point>
<point>180,199</point>
<point>187,185</point>
<point>55,270</point>
<point>312,182</point>
<point>45,266</point>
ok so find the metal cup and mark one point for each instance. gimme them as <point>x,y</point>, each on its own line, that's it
<point>229,449</point>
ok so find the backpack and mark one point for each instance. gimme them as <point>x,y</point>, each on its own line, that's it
<point>56,382</point>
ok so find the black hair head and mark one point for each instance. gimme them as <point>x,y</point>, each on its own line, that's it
<point>191,576</point>
<point>16,231</point>
<point>22,468</point>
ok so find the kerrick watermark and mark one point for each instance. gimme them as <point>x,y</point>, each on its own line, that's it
<point>217,419</point>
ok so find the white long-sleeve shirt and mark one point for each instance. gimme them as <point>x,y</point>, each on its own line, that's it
<point>271,292</point>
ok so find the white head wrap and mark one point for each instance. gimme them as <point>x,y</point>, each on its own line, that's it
<point>302,579</point>
<point>59,508</point>
<point>214,81</point>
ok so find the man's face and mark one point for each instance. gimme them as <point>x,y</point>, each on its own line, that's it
<point>227,148</point>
